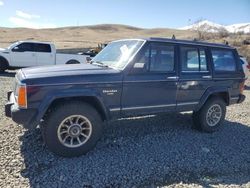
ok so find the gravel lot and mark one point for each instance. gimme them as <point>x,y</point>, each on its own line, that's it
<point>139,152</point>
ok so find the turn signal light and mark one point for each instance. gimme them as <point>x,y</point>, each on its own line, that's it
<point>22,97</point>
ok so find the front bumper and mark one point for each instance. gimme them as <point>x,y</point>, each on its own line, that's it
<point>24,117</point>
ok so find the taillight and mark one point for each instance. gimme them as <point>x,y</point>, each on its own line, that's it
<point>22,96</point>
<point>242,87</point>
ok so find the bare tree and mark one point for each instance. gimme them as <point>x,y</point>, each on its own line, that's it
<point>200,29</point>
<point>222,32</point>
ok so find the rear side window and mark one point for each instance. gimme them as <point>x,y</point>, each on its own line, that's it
<point>223,60</point>
<point>43,48</point>
<point>193,59</point>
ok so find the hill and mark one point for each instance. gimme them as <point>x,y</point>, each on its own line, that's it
<point>73,39</point>
<point>86,36</point>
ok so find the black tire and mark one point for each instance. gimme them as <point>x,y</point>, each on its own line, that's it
<point>200,120</point>
<point>3,65</point>
<point>73,61</point>
<point>53,121</point>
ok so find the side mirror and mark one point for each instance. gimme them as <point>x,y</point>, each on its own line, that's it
<point>88,59</point>
<point>17,49</point>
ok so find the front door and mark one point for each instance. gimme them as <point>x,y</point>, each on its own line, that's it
<point>23,55</point>
<point>151,84</point>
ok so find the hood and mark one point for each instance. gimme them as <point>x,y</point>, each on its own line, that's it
<point>66,71</point>
<point>3,50</point>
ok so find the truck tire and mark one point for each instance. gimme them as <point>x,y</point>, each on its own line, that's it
<point>72,129</point>
<point>3,64</point>
<point>210,117</point>
<point>73,61</point>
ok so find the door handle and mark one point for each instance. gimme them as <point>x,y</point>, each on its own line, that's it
<point>173,77</point>
<point>207,76</point>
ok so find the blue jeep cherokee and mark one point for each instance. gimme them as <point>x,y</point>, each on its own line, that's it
<point>128,78</point>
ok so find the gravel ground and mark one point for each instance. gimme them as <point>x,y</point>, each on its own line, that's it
<point>138,152</point>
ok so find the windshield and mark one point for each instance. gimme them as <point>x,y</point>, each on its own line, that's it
<point>118,53</point>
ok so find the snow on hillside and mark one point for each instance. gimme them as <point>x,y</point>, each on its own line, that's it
<point>243,27</point>
<point>209,26</point>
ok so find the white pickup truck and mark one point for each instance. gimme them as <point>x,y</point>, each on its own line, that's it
<point>30,53</point>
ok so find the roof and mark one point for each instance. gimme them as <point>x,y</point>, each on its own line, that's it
<point>192,42</point>
<point>32,41</point>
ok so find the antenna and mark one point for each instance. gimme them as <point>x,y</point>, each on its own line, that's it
<point>173,37</point>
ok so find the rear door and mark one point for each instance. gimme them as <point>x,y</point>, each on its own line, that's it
<point>195,76</point>
<point>150,87</point>
<point>23,55</point>
<point>44,53</point>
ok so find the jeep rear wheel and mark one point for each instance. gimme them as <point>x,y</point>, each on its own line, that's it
<point>211,115</point>
<point>72,129</point>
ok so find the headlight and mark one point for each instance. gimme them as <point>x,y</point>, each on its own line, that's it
<point>22,96</point>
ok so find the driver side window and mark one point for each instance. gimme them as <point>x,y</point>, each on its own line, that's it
<point>24,47</point>
<point>156,58</point>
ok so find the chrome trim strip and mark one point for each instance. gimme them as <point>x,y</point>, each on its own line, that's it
<point>145,107</point>
<point>214,78</point>
<point>80,83</point>
<point>145,81</point>
<point>195,71</point>
<point>153,106</point>
<point>187,103</point>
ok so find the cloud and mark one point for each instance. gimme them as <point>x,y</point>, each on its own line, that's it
<point>21,22</point>
<point>26,15</point>
<point>23,19</point>
<point>1,3</point>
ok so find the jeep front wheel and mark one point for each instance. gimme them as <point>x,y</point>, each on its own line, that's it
<point>211,115</point>
<point>72,129</point>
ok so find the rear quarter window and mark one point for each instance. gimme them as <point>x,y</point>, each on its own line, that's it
<point>223,60</point>
<point>43,48</point>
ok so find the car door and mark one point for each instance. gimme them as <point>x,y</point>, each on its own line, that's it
<point>150,86</point>
<point>23,55</point>
<point>44,54</point>
<point>195,76</point>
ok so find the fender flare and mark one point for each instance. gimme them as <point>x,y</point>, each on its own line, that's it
<point>212,91</point>
<point>53,96</point>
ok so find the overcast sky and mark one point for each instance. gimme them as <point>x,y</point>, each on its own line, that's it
<point>140,13</point>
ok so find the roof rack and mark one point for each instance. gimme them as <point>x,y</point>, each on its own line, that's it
<point>194,41</point>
